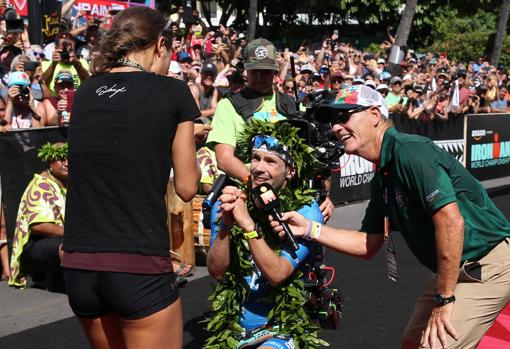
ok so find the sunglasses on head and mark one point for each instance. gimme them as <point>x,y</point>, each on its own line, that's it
<point>271,144</point>
<point>343,117</point>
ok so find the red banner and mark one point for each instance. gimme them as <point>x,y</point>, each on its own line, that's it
<point>99,8</point>
<point>21,6</point>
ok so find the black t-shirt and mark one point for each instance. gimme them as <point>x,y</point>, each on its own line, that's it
<point>120,137</point>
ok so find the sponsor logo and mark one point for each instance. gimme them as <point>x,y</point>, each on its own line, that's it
<point>261,52</point>
<point>490,154</point>
<point>355,170</point>
<point>431,196</point>
<point>478,134</point>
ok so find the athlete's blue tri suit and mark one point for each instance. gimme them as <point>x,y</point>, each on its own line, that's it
<point>256,308</point>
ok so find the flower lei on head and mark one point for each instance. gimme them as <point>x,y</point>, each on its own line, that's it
<point>231,292</point>
<point>52,152</point>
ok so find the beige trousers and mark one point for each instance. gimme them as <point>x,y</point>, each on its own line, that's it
<point>482,291</point>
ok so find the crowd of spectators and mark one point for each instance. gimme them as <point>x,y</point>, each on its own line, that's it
<point>37,83</point>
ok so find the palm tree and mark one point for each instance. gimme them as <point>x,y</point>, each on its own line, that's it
<point>404,27</point>
<point>501,33</point>
<point>252,19</point>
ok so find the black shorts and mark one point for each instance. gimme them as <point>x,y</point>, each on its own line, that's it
<point>132,296</point>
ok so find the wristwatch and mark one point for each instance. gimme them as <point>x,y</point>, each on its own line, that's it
<point>441,300</point>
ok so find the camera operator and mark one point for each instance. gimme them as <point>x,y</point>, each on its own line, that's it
<point>271,150</point>
<point>259,101</point>
<point>444,214</point>
<point>65,58</point>
<point>20,111</point>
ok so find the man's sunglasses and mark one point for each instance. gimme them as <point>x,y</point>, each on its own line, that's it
<point>343,117</point>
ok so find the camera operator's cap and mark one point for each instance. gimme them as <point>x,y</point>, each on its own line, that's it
<point>18,78</point>
<point>395,79</point>
<point>260,54</point>
<point>209,68</point>
<point>306,68</point>
<point>350,98</point>
<point>184,56</point>
<point>64,76</point>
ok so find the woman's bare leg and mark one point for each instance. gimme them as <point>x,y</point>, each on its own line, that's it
<point>103,332</point>
<point>162,330</point>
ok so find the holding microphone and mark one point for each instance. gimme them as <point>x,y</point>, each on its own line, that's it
<point>266,200</point>
<point>246,253</point>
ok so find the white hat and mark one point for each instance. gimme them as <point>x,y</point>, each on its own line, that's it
<point>358,80</point>
<point>370,83</point>
<point>306,67</point>
<point>407,77</point>
<point>382,87</point>
<point>381,61</point>
<point>174,67</point>
<point>350,98</point>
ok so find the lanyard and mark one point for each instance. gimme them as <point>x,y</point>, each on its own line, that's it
<point>391,253</point>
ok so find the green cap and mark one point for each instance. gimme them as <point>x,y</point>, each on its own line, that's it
<point>260,54</point>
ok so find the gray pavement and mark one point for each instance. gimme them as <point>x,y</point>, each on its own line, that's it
<point>22,310</point>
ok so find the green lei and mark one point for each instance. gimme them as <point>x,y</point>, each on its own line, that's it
<point>52,152</point>
<point>289,297</point>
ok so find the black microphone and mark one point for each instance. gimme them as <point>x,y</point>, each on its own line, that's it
<point>215,192</point>
<point>267,201</point>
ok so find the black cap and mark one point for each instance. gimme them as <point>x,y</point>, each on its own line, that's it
<point>210,68</point>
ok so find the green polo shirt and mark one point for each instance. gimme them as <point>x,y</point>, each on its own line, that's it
<point>421,178</point>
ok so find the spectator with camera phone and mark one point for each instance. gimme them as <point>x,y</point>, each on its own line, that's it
<point>20,111</point>
<point>65,58</point>
<point>56,110</point>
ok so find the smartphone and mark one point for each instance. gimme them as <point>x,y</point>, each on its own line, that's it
<point>335,32</point>
<point>70,100</point>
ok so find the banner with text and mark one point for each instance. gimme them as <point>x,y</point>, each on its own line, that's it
<point>488,145</point>
<point>50,19</point>
<point>99,8</point>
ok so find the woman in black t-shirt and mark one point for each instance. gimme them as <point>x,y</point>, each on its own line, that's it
<point>130,125</point>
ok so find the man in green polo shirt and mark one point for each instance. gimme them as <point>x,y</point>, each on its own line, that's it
<point>443,213</point>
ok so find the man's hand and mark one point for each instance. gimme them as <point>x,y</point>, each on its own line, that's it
<point>234,208</point>
<point>296,222</point>
<point>327,208</point>
<point>438,327</point>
